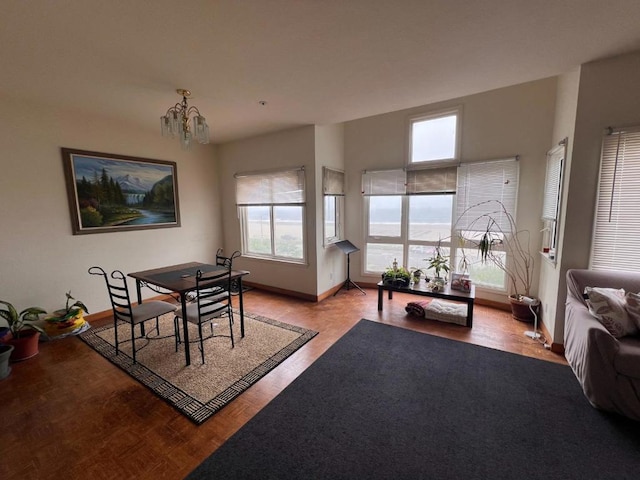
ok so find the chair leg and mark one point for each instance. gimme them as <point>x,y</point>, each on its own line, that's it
<point>231,328</point>
<point>115,328</point>
<point>176,331</point>
<point>133,340</point>
<point>201,342</point>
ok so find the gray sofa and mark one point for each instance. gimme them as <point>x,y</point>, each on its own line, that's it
<point>608,368</point>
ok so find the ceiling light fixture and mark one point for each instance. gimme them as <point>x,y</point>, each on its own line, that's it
<point>176,122</point>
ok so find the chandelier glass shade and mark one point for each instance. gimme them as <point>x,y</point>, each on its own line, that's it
<point>185,122</point>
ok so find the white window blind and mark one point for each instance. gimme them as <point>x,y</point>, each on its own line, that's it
<point>384,182</point>
<point>270,188</point>
<point>432,181</point>
<point>479,185</point>
<point>552,183</point>
<point>332,181</point>
<point>617,222</point>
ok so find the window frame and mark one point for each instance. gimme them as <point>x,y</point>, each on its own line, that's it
<point>454,111</point>
<point>260,189</point>
<point>333,186</point>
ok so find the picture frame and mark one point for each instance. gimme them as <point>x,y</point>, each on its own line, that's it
<point>113,193</point>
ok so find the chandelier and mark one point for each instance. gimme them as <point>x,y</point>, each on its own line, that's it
<point>176,122</point>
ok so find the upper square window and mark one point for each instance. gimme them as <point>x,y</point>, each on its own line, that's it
<point>434,138</point>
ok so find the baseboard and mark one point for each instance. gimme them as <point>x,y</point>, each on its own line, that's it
<point>283,291</point>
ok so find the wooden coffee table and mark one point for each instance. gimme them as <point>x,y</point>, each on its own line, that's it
<point>421,289</point>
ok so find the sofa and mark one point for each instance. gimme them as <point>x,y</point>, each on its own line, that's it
<point>602,338</point>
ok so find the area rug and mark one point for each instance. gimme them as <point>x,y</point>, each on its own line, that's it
<point>199,391</point>
<point>388,403</point>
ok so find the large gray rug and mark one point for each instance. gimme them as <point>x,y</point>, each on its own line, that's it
<point>388,403</point>
<point>199,391</point>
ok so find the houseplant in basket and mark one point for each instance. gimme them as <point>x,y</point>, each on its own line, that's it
<point>67,320</point>
<point>502,244</point>
<point>25,332</point>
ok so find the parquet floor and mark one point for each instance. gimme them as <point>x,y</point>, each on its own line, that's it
<point>70,414</point>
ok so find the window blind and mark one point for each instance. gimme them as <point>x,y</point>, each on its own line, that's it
<point>384,182</point>
<point>617,216</point>
<point>483,182</point>
<point>431,181</point>
<point>332,181</point>
<point>270,188</point>
<point>552,183</point>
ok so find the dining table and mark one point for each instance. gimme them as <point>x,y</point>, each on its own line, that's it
<point>181,279</point>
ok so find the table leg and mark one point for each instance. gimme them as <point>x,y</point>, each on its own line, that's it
<point>241,307</point>
<point>380,295</point>
<point>185,327</point>
<point>139,294</point>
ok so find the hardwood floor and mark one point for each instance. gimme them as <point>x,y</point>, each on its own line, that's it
<point>69,413</point>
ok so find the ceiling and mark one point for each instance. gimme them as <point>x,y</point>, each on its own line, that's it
<point>312,61</point>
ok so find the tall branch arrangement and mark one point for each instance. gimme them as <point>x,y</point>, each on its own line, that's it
<point>518,263</point>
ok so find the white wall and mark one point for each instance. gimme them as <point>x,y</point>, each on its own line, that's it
<point>40,258</point>
<point>517,120</point>
<point>608,96</point>
<point>329,153</point>
<point>552,287</point>
<point>289,148</point>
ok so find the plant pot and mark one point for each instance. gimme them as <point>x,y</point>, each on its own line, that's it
<point>25,346</point>
<point>5,334</point>
<point>521,311</point>
<point>5,353</point>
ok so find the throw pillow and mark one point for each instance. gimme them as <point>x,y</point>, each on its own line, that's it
<point>633,307</point>
<point>608,306</point>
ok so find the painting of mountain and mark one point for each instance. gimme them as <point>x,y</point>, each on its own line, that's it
<point>114,193</point>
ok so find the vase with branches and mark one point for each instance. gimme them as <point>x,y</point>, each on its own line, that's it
<point>502,244</point>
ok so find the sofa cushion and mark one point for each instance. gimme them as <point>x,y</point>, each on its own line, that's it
<point>608,305</point>
<point>633,306</point>
<point>627,360</point>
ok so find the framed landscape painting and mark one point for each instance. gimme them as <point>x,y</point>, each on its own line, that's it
<point>114,193</point>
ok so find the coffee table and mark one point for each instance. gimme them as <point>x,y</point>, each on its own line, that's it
<point>421,289</point>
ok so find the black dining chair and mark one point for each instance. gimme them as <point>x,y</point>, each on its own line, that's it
<point>123,311</point>
<point>210,304</point>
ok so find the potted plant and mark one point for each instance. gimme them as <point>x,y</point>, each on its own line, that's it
<point>513,257</point>
<point>398,276</point>
<point>438,262</point>
<point>67,319</point>
<point>5,354</point>
<point>25,333</point>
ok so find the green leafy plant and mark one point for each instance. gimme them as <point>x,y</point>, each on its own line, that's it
<point>69,311</point>
<point>438,261</point>
<point>18,322</point>
<point>398,275</point>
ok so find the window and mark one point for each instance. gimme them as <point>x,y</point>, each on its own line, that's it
<point>552,195</point>
<point>480,185</point>
<point>272,211</point>
<point>617,217</point>
<point>434,137</point>
<point>333,208</point>
<point>407,214</point>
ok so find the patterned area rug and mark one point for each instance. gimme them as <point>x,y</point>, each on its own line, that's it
<point>199,391</point>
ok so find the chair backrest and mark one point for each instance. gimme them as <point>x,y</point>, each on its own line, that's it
<point>118,293</point>
<point>223,261</point>
<point>212,300</point>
